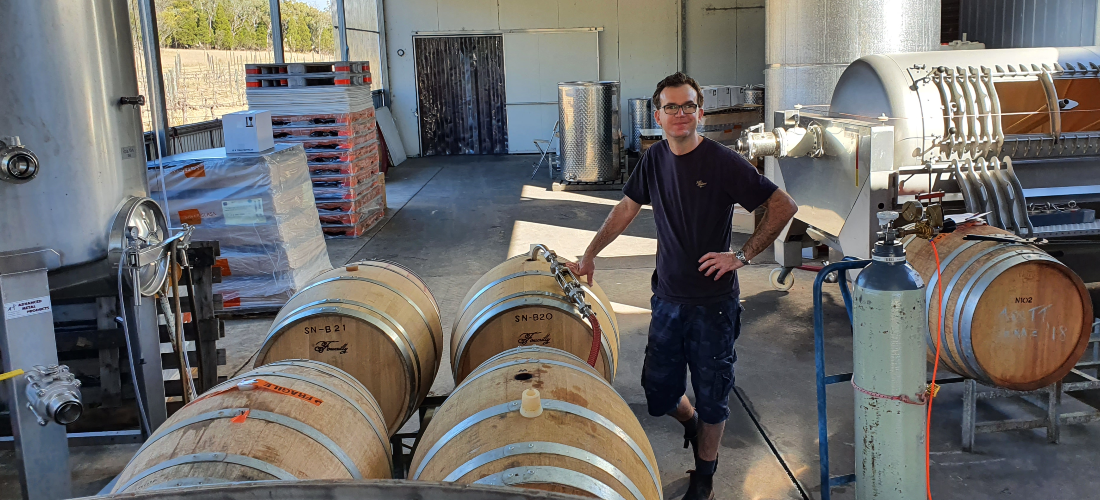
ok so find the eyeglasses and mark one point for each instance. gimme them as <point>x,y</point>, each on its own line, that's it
<point>672,109</point>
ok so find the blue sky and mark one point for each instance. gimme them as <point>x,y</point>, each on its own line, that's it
<point>319,4</point>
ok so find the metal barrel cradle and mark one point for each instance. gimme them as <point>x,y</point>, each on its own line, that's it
<point>841,268</point>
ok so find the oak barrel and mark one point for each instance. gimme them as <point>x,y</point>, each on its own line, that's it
<point>377,321</point>
<point>1013,316</point>
<point>295,419</point>
<point>586,441</point>
<point>519,303</point>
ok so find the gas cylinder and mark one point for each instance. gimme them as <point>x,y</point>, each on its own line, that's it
<point>888,308</point>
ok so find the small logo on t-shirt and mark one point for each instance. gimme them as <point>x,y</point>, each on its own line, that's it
<point>700,183</point>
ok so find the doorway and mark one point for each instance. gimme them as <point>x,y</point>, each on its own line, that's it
<point>461,101</point>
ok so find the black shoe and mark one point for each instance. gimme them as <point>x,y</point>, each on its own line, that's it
<point>691,433</point>
<point>700,487</point>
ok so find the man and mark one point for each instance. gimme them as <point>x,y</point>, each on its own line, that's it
<point>692,184</point>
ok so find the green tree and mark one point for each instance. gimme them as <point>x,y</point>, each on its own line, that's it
<point>298,37</point>
<point>223,30</point>
<point>204,33</point>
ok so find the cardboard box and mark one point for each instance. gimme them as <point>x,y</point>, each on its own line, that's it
<point>711,97</point>
<point>725,97</point>
<point>247,132</point>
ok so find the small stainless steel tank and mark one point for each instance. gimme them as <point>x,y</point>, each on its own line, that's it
<point>641,116</point>
<point>591,138</point>
<point>67,68</point>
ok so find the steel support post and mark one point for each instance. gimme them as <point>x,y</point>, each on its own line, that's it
<point>145,338</point>
<point>276,31</point>
<point>970,411</point>
<point>342,32</point>
<point>27,340</point>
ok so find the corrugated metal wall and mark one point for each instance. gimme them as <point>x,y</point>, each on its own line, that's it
<point>460,86</point>
<point>1029,23</point>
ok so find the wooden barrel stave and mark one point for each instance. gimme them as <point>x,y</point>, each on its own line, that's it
<point>210,441</point>
<point>982,280</point>
<point>587,437</point>
<point>519,303</point>
<point>381,324</point>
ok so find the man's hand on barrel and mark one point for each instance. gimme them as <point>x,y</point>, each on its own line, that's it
<point>584,268</point>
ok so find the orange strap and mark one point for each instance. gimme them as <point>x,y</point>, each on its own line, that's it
<point>256,383</point>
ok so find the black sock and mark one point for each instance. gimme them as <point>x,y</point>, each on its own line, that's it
<point>706,467</point>
<point>691,426</point>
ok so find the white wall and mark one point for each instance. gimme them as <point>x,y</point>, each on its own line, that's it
<point>639,44</point>
<point>725,41</point>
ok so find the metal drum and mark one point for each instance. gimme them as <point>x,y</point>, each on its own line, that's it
<point>751,94</point>
<point>68,67</point>
<point>641,117</point>
<point>590,132</point>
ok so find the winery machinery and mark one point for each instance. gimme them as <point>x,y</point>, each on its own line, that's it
<point>1012,134</point>
<point>81,242</point>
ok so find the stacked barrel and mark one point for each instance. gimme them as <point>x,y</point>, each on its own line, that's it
<point>348,360</point>
<point>351,357</point>
<point>528,411</point>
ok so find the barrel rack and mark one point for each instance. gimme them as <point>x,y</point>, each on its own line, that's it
<point>92,345</point>
<point>1078,385</point>
<point>401,448</point>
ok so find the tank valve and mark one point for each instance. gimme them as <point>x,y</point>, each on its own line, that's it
<point>531,405</point>
<point>53,393</point>
<point>17,163</point>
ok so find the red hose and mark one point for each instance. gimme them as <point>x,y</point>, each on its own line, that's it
<point>596,333</point>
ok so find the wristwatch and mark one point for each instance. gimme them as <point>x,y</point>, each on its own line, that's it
<point>740,254</point>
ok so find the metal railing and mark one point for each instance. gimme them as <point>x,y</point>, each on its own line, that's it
<point>186,138</point>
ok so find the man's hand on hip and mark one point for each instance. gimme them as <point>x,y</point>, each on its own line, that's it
<point>586,267</point>
<point>721,263</point>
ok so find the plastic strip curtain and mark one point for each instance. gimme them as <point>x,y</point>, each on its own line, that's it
<point>460,81</point>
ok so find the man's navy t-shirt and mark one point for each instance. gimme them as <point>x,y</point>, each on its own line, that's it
<point>692,198</point>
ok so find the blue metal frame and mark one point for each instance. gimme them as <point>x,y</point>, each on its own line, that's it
<point>841,268</point>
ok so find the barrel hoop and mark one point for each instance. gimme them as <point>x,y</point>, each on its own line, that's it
<point>381,435</point>
<point>530,348</point>
<point>525,361</point>
<point>308,365</point>
<point>547,405</point>
<point>266,416</point>
<point>409,356</point>
<point>551,475</point>
<point>419,282</point>
<point>595,298</point>
<point>198,458</point>
<point>930,290</point>
<point>546,448</point>
<point>435,343</point>
<point>992,272</point>
<point>956,334</point>
<point>185,482</point>
<point>964,293</point>
<point>486,288</point>
<point>546,299</point>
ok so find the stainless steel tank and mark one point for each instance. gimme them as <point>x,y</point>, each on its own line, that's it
<point>810,42</point>
<point>591,138</point>
<point>641,116</point>
<point>67,67</point>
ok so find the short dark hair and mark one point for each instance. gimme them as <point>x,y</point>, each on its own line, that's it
<point>675,80</point>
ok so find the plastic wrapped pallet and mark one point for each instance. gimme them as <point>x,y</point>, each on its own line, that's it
<point>261,208</point>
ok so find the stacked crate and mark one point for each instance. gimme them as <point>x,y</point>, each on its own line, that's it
<point>326,107</point>
<point>260,208</point>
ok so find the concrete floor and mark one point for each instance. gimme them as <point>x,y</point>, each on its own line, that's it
<point>453,219</point>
